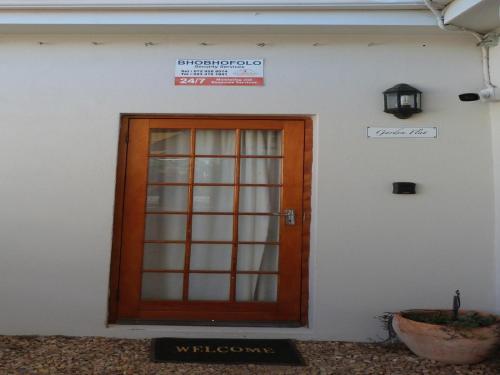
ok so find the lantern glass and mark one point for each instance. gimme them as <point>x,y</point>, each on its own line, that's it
<point>392,101</point>
<point>407,101</point>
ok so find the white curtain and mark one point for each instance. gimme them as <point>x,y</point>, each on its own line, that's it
<point>258,228</point>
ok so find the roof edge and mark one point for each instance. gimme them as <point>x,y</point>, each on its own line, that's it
<point>209,5</point>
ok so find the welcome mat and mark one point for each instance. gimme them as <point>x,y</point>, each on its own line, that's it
<point>270,352</point>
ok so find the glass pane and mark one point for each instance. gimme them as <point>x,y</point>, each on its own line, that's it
<point>261,142</point>
<point>168,170</point>
<point>258,228</point>
<point>258,258</point>
<point>215,142</point>
<point>162,286</point>
<point>211,257</point>
<point>165,227</point>
<point>220,170</point>
<point>167,198</point>
<point>163,256</point>
<point>260,171</point>
<point>259,199</point>
<point>169,141</point>
<point>212,228</point>
<point>407,101</point>
<point>262,288</point>
<point>213,198</point>
<point>392,101</point>
<point>209,287</point>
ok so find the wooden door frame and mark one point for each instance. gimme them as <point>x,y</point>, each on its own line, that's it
<point>113,292</point>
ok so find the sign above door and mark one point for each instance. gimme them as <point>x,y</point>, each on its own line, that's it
<point>219,72</point>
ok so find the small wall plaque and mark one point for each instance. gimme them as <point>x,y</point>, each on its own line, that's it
<point>374,132</point>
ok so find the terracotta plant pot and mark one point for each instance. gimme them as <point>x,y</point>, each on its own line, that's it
<point>445,343</point>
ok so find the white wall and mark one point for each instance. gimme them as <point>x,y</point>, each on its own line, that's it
<point>495,131</point>
<point>372,251</point>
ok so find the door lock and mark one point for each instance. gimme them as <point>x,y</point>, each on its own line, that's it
<point>289,215</point>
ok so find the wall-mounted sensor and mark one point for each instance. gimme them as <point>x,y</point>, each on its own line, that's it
<point>403,188</point>
<point>468,97</point>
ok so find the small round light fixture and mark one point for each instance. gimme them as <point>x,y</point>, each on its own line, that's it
<point>402,101</point>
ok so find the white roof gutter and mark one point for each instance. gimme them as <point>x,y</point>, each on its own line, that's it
<point>150,16</point>
<point>194,5</point>
<point>74,16</point>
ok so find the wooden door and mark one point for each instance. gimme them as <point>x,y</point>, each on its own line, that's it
<point>211,227</point>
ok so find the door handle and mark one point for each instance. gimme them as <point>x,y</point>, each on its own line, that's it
<point>289,215</point>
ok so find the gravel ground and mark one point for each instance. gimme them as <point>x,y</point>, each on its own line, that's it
<point>96,355</point>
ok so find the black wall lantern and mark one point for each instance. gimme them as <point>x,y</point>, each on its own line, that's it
<point>402,101</point>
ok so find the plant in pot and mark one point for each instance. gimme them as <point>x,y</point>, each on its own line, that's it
<point>450,336</point>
